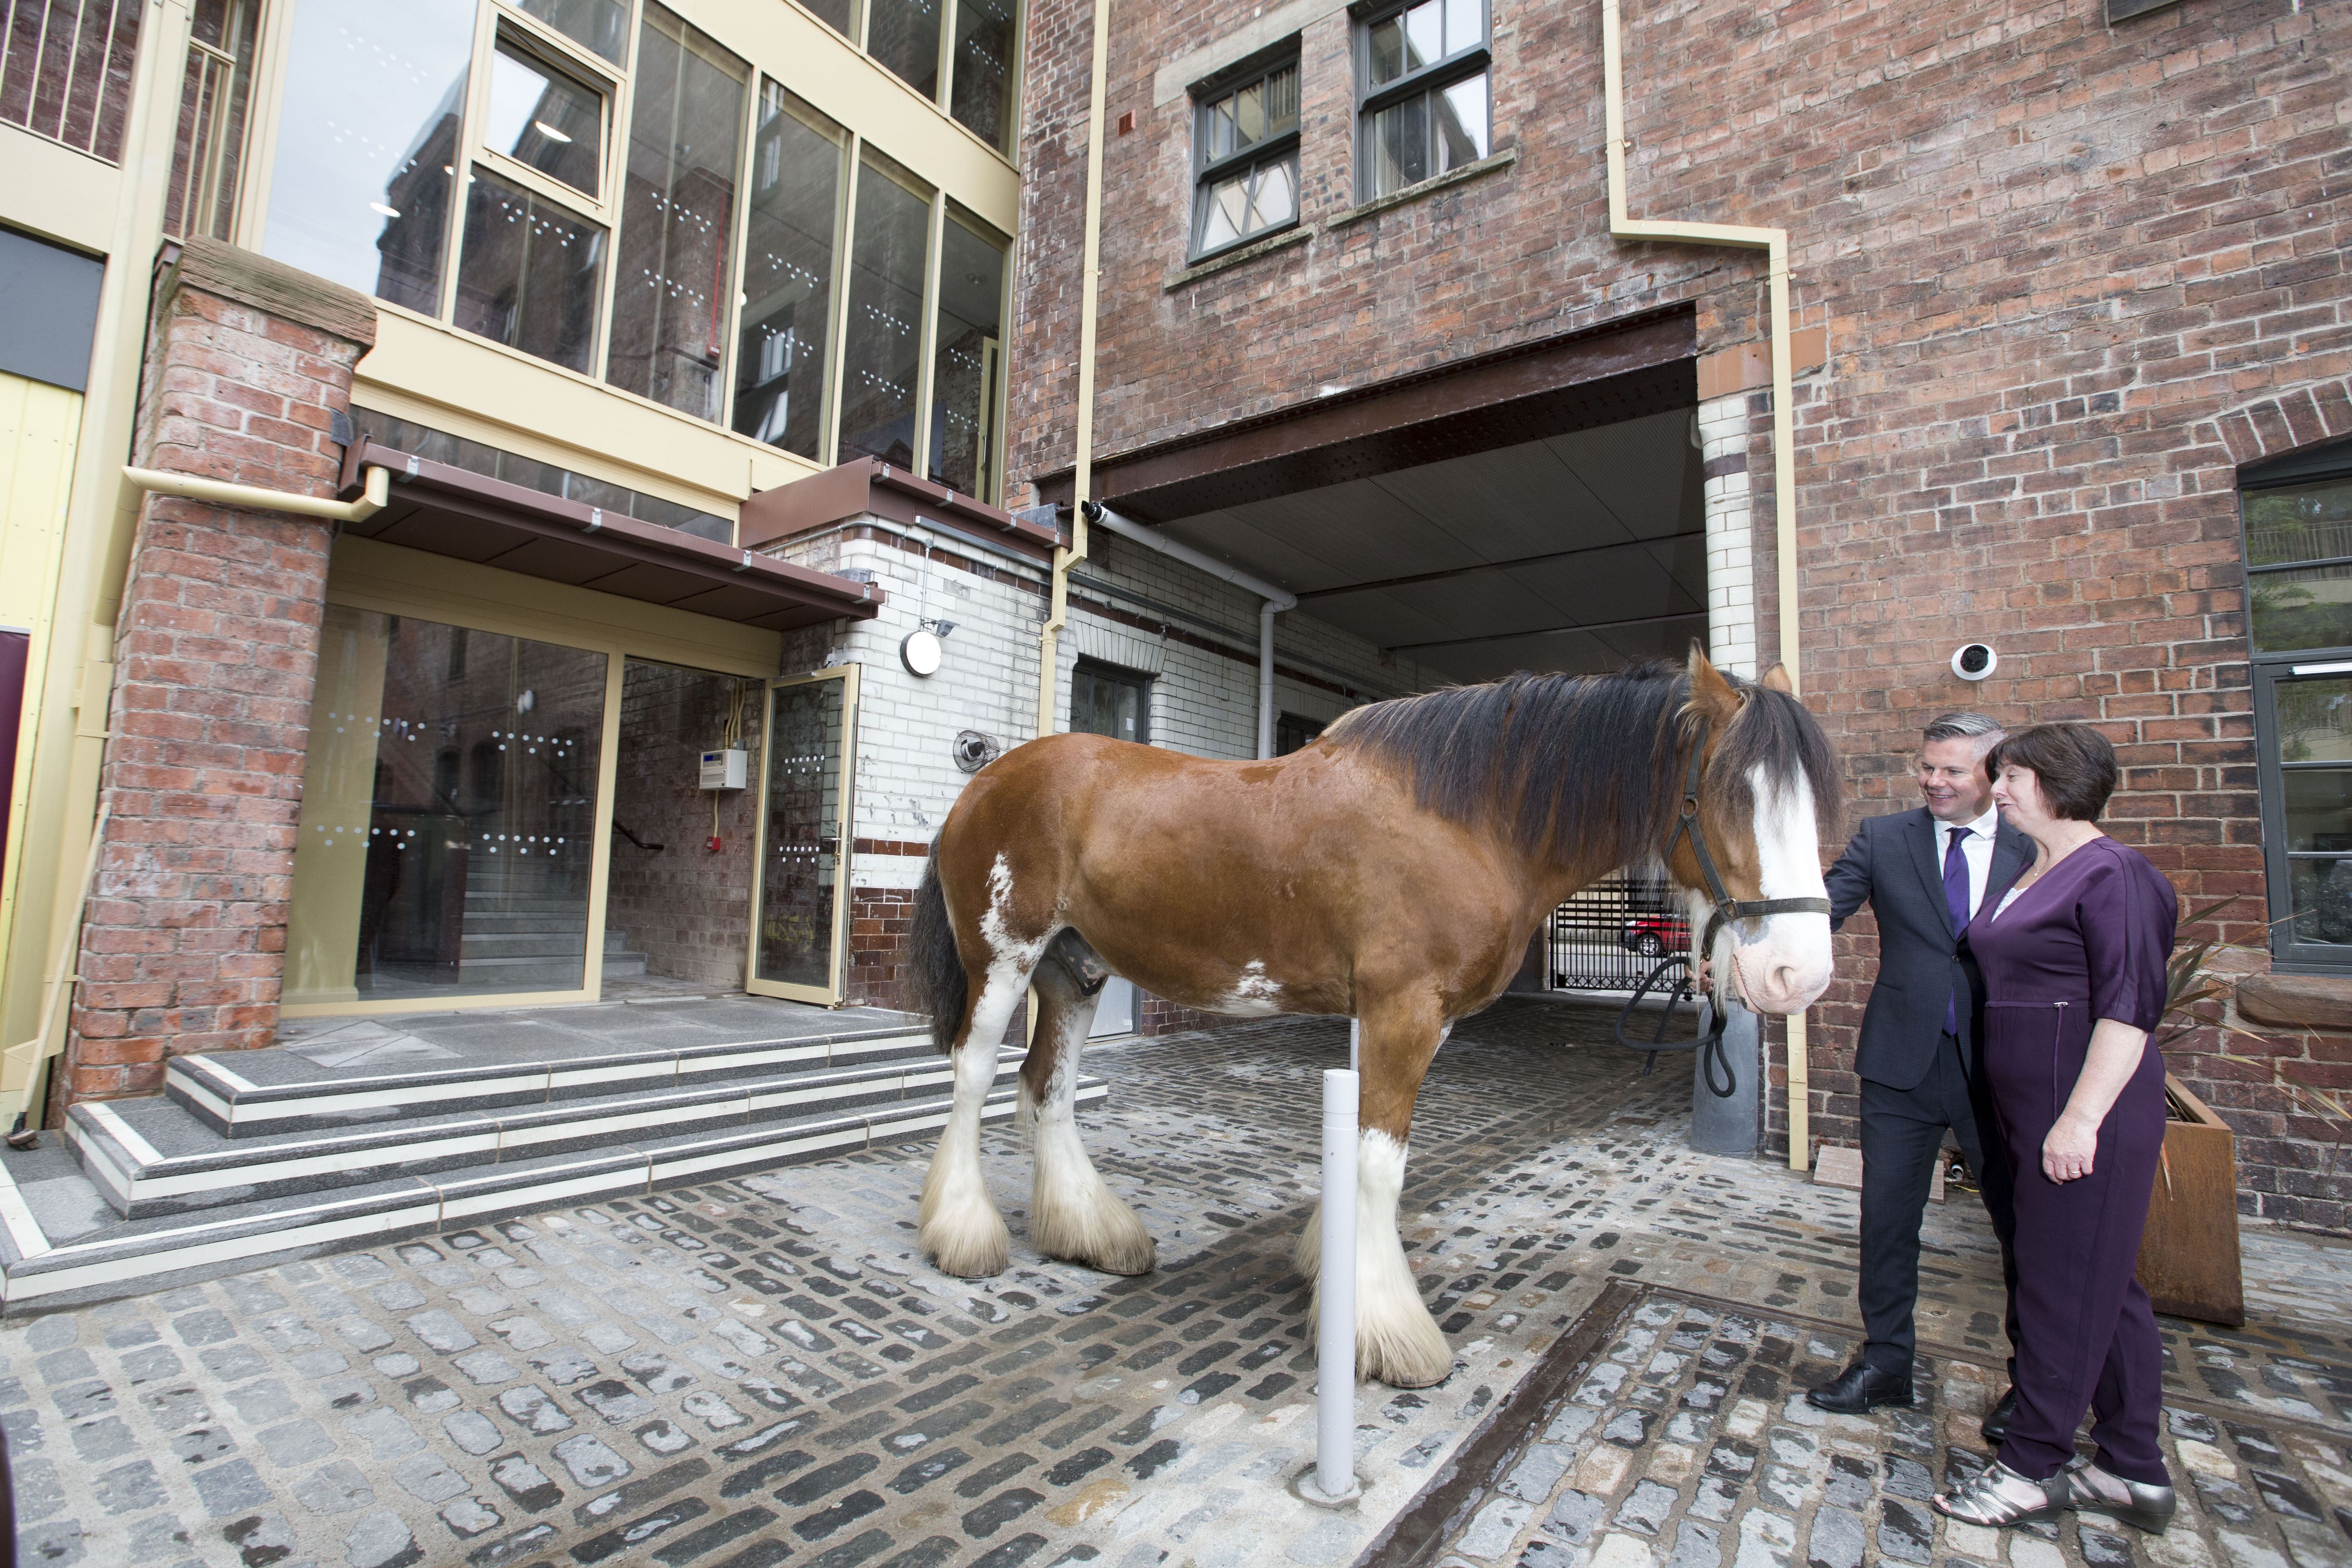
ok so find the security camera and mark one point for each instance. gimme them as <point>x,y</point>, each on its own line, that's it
<point>1975,660</point>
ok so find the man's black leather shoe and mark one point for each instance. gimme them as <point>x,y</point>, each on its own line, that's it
<point>1859,1388</point>
<point>1995,1427</point>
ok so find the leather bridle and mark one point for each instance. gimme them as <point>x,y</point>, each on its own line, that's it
<point>1727,908</point>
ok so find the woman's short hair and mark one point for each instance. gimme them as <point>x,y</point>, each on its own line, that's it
<point>2072,763</point>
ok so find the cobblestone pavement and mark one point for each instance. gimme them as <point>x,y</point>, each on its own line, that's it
<point>763,1371</point>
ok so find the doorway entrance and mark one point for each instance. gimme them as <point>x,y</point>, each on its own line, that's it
<point>800,917</point>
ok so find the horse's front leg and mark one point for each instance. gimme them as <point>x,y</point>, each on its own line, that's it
<point>1397,1341</point>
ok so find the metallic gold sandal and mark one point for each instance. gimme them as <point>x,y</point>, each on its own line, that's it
<point>2150,1507</point>
<point>1979,1501</point>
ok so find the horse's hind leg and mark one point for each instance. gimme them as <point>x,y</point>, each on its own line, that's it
<point>957,1223</point>
<point>1072,1213</point>
<point>1397,1341</point>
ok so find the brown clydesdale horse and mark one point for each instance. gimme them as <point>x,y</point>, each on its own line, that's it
<point>1393,871</point>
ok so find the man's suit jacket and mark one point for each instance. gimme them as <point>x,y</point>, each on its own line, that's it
<point>1892,865</point>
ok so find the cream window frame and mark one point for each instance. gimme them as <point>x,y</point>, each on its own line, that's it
<point>835,991</point>
<point>366,574</point>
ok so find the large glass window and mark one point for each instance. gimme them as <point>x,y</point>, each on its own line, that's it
<point>678,218</point>
<point>882,348</point>
<point>1422,103</point>
<point>360,191</point>
<point>208,152</point>
<point>529,273</point>
<point>1245,154</point>
<point>448,814</point>
<point>981,96</point>
<point>2299,521</point>
<point>627,266</point>
<point>904,35</point>
<point>796,188</point>
<point>967,359</point>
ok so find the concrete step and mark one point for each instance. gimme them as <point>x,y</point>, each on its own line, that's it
<point>166,1249</point>
<point>154,1156</point>
<point>243,1094</point>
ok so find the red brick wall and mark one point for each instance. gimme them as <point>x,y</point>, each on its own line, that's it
<point>183,946</point>
<point>2071,276</point>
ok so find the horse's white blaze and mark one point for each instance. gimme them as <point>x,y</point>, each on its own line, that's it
<point>1789,963</point>
<point>1396,1341</point>
<point>1072,1213</point>
<point>1254,994</point>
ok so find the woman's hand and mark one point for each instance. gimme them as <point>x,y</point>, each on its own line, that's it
<point>2068,1150</point>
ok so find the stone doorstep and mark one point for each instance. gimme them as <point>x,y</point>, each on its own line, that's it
<point>285,1089</point>
<point>152,1156</point>
<point>138,1255</point>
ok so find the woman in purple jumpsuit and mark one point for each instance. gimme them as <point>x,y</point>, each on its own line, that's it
<point>2074,965</point>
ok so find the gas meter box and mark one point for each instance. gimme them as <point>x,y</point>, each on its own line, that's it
<point>723,770</point>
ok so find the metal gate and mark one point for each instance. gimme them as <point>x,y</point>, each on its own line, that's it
<point>1613,932</point>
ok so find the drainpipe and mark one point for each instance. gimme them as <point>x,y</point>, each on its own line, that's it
<point>1057,612</point>
<point>1276,600</point>
<point>221,493</point>
<point>1774,243</point>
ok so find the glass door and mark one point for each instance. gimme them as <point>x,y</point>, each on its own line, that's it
<point>800,918</point>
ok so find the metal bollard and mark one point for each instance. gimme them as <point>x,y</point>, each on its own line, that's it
<point>1332,1483</point>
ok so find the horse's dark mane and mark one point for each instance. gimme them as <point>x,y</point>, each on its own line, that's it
<point>1584,769</point>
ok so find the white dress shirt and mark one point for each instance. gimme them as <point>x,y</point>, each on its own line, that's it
<point>1976,848</point>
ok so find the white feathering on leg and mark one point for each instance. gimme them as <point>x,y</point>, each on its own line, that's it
<point>957,1223</point>
<point>1396,1341</point>
<point>1072,1213</point>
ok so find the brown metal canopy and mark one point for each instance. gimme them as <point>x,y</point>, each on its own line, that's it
<point>447,511</point>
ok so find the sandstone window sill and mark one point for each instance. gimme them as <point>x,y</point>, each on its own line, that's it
<point>1250,252</point>
<point>1493,163</point>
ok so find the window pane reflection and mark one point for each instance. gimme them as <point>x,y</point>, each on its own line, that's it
<point>360,189</point>
<point>967,360</point>
<point>787,278</point>
<point>2311,523</point>
<point>2321,891</point>
<point>799,872</point>
<point>904,35</point>
<point>1461,123</point>
<point>528,278</point>
<point>2314,725</point>
<point>1400,145</point>
<point>981,94</point>
<point>448,813</point>
<point>2308,608</point>
<point>600,25</point>
<point>541,118</point>
<point>883,343</point>
<point>678,218</point>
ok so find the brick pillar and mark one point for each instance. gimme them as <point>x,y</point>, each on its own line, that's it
<point>184,940</point>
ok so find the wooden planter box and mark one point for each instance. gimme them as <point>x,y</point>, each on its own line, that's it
<point>2189,1254</point>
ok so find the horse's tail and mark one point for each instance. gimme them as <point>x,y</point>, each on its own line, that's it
<point>941,988</point>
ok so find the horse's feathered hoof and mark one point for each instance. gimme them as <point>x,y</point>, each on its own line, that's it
<point>1403,1349</point>
<point>1090,1226</point>
<point>968,1246</point>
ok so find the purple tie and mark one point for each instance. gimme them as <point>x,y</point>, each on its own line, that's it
<point>1955,901</point>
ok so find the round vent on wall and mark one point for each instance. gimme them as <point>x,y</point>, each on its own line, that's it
<point>1975,660</point>
<point>974,750</point>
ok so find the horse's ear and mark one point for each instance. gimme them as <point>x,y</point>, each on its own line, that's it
<point>1776,679</point>
<point>1710,693</point>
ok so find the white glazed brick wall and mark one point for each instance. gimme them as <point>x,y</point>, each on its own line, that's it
<point>1723,428</point>
<point>1201,701</point>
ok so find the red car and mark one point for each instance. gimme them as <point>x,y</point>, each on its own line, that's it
<point>1653,936</point>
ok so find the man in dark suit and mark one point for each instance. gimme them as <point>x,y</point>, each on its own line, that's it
<point>1923,874</point>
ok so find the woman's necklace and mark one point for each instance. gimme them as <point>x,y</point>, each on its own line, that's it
<point>2047,859</point>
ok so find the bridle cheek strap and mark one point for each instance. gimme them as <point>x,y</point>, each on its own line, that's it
<point>1727,908</point>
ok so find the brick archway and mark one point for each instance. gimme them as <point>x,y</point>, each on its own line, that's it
<point>2318,412</point>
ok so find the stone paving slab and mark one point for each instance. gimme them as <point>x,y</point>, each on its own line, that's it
<point>763,1370</point>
